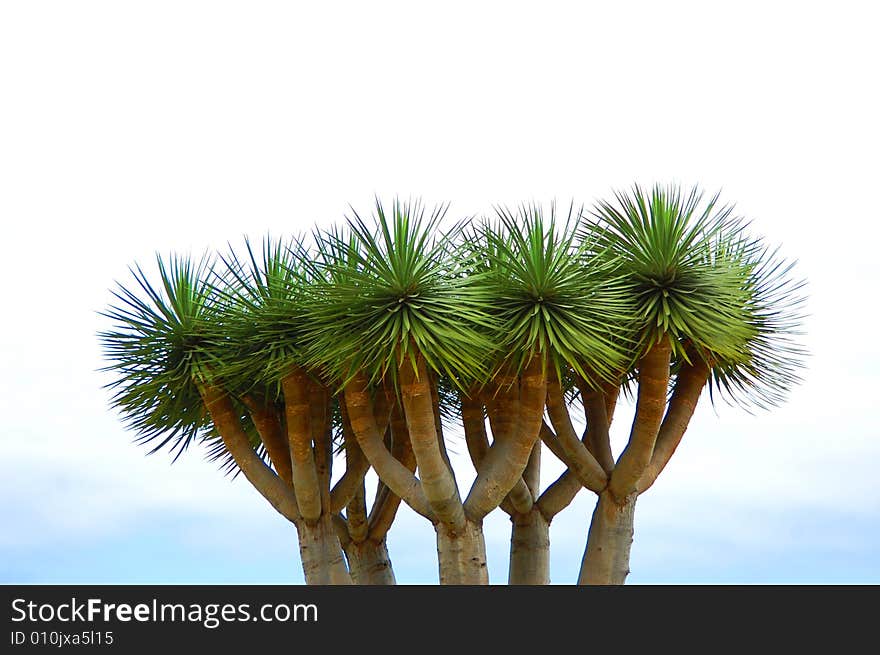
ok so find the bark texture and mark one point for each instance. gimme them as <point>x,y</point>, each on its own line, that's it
<point>359,409</point>
<point>228,424</point>
<point>516,418</point>
<point>437,482</point>
<point>299,433</point>
<point>369,563</point>
<point>529,549</point>
<point>321,553</point>
<point>606,559</point>
<point>653,379</point>
<point>461,554</point>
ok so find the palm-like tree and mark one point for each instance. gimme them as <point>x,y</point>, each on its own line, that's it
<point>552,301</point>
<point>710,304</point>
<point>395,313</point>
<point>215,355</point>
<point>373,337</point>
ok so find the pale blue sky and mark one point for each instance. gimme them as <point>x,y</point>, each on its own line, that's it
<point>128,129</point>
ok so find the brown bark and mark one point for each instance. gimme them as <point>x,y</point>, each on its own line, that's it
<point>356,515</point>
<point>653,377</point>
<point>606,558</point>
<point>438,425</point>
<point>385,508</point>
<point>399,479</point>
<point>319,424</point>
<point>574,453</point>
<point>263,478</point>
<point>436,477</point>
<point>595,411</point>
<point>611,392</point>
<point>503,410</point>
<point>503,466</point>
<point>474,427</point>
<point>356,464</point>
<point>478,445</point>
<point>356,467</point>
<point>549,439</point>
<point>532,473</point>
<point>559,495</point>
<point>266,420</point>
<point>299,434</point>
<point>688,386</point>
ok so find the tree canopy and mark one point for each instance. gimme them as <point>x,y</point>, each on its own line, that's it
<point>657,292</point>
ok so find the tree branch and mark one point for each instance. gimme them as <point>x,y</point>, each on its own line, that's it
<point>689,385</point>
<point>319,422</point>
<point>295,387</point>
<point>653,379</point>
<point>271,432</point>
<point>563,491</point>
<point>575,454</point>
<point>356,515</point>
<point>437,481</point>
<point>532,474</point>
<point>503,465</point>
<point>385,509</point>
<point>559,495</point>
<point>478,445</point>
<point>599,439</point>
<point>363,423</point>
<point>356,463</point>
<point>263,478</point>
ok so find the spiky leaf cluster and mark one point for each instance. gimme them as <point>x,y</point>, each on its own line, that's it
<point>591,294</point>
<point>551,295</point>
<point>696,276</point>
<point>157,350</point>
<point>260,305</point>
<point>394,290</point>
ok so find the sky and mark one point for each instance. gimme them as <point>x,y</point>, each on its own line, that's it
<point>128,129</point>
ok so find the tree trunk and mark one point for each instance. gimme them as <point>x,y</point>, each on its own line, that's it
<point>462,554</point>
<point>321,553</point>
<point>606,559</point>
<point>369,563</point>
<point>529,549</point>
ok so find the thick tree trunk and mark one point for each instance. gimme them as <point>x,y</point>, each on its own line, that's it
<point>462,554</point>
<point>529,549</point>
<point>369,563</point>
<point>606,559</point>
<point>321,554</point>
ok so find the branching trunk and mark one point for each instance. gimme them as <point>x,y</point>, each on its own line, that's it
<point>356,467</point>
<point>689,385</point>
<point>369,563</point>
<point>385,508</point>
<point>606,559</point>
<point>436,477</point>
<point>400,480</point>
<point>266,420</point>
<point>569,447</point>
<point>653,379</point>
<point>321,553</point>
<point>530,549</point>
<point>228,424</point>
<point>519,498</point>
<point>462,554</point>
<point>299,433</point>
<point>598,422</point>
<point>502,467</point>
